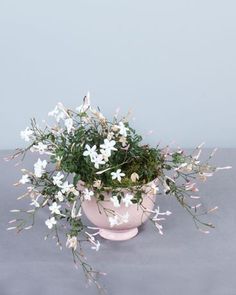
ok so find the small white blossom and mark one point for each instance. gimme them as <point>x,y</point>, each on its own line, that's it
<point>96,246</point>
<point>115,201</point>
<point>39,167</point>
<point>54,208</point>
<point>110,135</point>
<point>58,113</point>
<point>40,147</point>
<point>26,134</point>
<point>127,200</point>
<point>69,124</point>
<point>106,154</point>
<point>108,146</point>
<point>88,194</point>
<point>71,242</point>
<point>50,222</point>
<point>57,179</point>
<point>35,203</point>
<point>90,151</point>
<point>122,129</point>
<point>66,187</point>
<point>59,196</point>
<point>117,175</point>
<point>98,160</point>
<point>24,179</point>
<point>123,141</point>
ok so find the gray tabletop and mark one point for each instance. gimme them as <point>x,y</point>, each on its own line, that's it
<point>183,261</point>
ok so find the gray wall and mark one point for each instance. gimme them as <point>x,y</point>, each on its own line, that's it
<point>173,62</point>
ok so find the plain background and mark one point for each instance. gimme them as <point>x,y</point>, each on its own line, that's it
<point>172,62</point>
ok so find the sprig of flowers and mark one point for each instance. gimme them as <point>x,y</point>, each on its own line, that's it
<point>83,155</point>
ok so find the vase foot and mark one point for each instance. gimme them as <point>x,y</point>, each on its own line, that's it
<point>118,235</point>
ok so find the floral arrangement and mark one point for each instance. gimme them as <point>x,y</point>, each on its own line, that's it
<point>81,156</point>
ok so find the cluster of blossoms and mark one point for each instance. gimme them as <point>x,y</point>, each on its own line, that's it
<point>82,156</point>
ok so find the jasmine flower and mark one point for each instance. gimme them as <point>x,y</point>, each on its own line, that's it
<point>122,129</point>
<point>54,208</point>
<point>39,167</point>
<point>117,175</point>
<point>90,151</point>
<point>50,222</point>
<point>66,187</point>
<point>71,242</point>
<point>40,147</point>
<point>69,124</point>
<point>57,179</point>
<point>58,112</point>
<point>24,179</point>
<point>108,146</point>
<point>26,134</point>
<point>98,160</point>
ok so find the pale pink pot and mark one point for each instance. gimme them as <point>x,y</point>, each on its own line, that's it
<point>122,231</point>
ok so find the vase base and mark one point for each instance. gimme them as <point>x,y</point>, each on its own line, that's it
<point>118,235</point>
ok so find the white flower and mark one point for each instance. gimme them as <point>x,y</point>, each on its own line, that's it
<point>26,134</point>
<point>39,167</point>
<point>50,222</point>
<point>117,175</point>
<point>88,194</point>
<point>59,196</point>
<point>96,246</point>
<point>123,140</point>
<point>106,154</point>
<point>69,124</point>
<point>153,189</point>
<point>98,160</point>
<point>90,151</point>
<point>24,179</point>
<point>35,203</point>
<point>110,135</point>
<point>86,104</point>
<point>122,129</point>
<point>113,220</point>
<point>58,112</point>
<point>71,242</point>
<point>115,201</point>
<point>108,146</point>
<point>57,179</point>
<point>54,208</point>
<point>127,200</point>
<point>66,187</point>
<point>40,147</point>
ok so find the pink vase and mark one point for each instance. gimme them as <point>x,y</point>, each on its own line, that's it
<point>125,230</point>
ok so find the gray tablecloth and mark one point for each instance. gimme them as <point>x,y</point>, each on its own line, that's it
<point>183,261</point>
